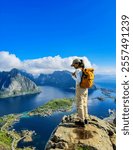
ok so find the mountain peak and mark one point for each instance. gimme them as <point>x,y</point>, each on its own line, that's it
<point>14,72</point>
<point>14,83</point>
<point>97,135</point>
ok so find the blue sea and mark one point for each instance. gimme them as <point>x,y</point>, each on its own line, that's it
<point>44,126</point>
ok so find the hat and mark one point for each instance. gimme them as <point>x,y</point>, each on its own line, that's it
<point>75,61</point>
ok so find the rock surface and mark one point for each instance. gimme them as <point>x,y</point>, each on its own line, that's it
<point>97,135</point>
<point>14,84</point>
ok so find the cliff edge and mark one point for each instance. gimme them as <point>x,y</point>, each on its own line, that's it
<point>97,135</point>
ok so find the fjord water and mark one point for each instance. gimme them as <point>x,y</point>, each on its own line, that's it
<point>43,126</point>
<point>28,102</point>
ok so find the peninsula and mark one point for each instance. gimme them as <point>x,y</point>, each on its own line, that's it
<point>56,105</point>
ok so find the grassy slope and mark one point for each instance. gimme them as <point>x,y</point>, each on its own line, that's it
<point>63,104</point>
<point>5,141</point>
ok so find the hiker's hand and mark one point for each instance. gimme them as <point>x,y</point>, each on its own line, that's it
<point>73,74</point>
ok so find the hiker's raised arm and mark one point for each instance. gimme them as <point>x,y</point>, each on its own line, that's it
<point>74,76</point>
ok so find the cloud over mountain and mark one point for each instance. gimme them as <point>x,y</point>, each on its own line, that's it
<point>50,64</point>
<point>41,65</point>
<point>9,61</point>
<point>36,66</point>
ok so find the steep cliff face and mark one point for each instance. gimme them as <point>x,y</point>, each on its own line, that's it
<point>97,135</point>
<point>14,84</point>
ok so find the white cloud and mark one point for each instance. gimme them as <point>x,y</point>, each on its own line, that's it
<point>8,61</point>
<point>51,64</point>
<point>43,65</point>
<point>36,66</point>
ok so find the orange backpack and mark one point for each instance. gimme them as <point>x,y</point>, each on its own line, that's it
<point>87,79</point>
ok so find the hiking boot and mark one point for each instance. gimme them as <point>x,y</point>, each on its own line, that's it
<point>86,121</point>
<point>80,123</point>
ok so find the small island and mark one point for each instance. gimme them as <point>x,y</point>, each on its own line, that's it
<point>56,105</point>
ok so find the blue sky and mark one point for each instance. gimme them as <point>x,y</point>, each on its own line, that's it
<point>39,28</point>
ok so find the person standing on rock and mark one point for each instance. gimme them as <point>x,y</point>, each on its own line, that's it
<point>81,93</point>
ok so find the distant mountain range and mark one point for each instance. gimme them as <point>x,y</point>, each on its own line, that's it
<point>18,82</point>
<point>61,79</point>
<point>13,83</point>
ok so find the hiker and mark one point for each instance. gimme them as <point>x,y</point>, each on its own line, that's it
<point>84,78</point>
<point>81,93</point>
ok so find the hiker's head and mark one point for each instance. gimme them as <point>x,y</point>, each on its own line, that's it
<point>77,63</point>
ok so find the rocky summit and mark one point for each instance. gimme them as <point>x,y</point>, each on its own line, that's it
<point>96,135</point>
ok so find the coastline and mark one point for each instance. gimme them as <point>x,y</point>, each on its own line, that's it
<point>21,94</point>
<point>7,122</point>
